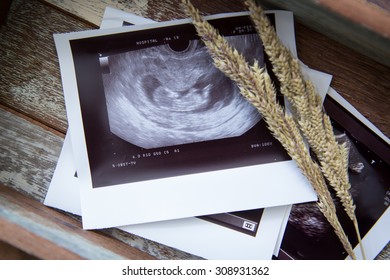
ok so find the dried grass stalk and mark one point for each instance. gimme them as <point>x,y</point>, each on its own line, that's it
<point>313,122</point>
<point>256,86</point>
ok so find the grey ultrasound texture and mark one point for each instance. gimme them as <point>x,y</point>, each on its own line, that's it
<point>158,97</point>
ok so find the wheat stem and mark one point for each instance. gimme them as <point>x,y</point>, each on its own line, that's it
<point>256,85</point>
<point>314,123</point>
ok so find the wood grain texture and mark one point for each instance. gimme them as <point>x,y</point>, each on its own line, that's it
<point>33,119</point>
<point>28,156</point>
<point>31,138</point>
<point>385,253</point>
<point>92,11</point>
<point>362,81</point>
<point>172,9</point>
<point>20,237</point>
<point>29,74</point>
<point>49,234</point>
<point>362,13</point>
<point>9,252</point>
<point>334,24</point>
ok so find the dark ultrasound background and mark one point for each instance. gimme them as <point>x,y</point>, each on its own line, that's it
<point>308,235</point>
<point>154,106</point>
<point>172,94</point>
<point>234,220</point>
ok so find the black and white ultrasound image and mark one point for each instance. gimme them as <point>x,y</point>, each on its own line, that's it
<point>154,106</point>
<point>308,235</point>
<point>172,94</point>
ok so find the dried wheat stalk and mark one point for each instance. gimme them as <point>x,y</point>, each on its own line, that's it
<point>313,122</point>
<point>256,85</point>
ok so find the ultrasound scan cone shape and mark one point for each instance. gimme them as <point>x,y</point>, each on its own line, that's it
<point>172,94</point>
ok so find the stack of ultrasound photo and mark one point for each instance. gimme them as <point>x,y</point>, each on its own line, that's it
<point>163,146</point>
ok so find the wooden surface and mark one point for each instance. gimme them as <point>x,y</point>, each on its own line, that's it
<point>373,17</point>
<point>362,25</point>
<point>33,119</point>
<point>62,236</point>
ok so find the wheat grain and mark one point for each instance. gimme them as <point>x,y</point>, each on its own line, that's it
<point>314,123</point>
<point>256,85</point>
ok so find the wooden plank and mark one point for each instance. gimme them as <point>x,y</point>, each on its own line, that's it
<point>9,252</point>
<point>29,77</point>
<point>384,4</point>
<point>92,11</point>
<point>358,24</point>
<point>28,156</point>
<point>48,234</point>
<point>354,74</point>
<point>29,74</point>
<point>172,9</point>
<point>362,81</point>
<point>29,151</point>
<point>362,13</point>
<point>32,244</point>
<point>366,33</point>
<point>385,253</point>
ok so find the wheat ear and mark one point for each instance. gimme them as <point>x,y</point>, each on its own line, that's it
<point>256,86</point>
<point>307,106</point>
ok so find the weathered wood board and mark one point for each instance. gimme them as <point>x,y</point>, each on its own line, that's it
<point>29,74</point>
<point>355,75</point>
<point>360,25</point>
<point>92,11</point>
<point>362,81</point>
<point>34,225</point>
<point>28,156</point>
<point>33,118</point>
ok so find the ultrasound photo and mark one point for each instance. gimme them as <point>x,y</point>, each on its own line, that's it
<point>308,234</point>
<point>154,105</point>
<point>172,94</point>
<point>176,57</point>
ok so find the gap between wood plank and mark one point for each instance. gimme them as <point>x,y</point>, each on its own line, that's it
<point>55,235</point>
<point>67,13</point>
<point>32,120</point>
<point>33,244</point>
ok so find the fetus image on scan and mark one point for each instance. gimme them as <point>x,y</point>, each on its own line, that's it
<point>172,94</point>
<point>307,217</point>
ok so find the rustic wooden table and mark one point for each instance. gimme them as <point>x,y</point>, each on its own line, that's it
<point>33,119</point>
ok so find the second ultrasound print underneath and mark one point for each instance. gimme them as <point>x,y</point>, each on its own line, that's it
<point>163,96</point>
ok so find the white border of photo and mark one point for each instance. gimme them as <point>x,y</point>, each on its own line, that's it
<point>180,196</point>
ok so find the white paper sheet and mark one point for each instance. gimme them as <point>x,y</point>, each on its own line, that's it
<point>165,232</point>
<point>174,197</point>
<point>177,233</point>
<point>115,18</point>
<point>193,235</point>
